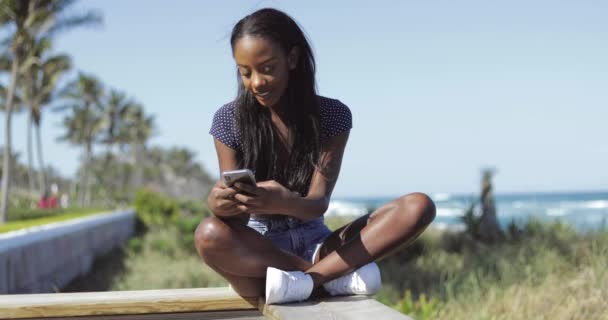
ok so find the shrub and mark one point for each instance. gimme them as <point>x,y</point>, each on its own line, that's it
<point>155,209</point>
<point>421,309</point>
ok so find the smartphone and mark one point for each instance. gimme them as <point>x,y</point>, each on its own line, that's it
<point>242,175</point>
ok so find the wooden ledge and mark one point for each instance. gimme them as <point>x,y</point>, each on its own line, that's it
<point>351,308</point>
<point>203,303</point>
<point>122,303</point>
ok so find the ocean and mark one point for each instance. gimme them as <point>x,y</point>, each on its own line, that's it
<point>583,210</point>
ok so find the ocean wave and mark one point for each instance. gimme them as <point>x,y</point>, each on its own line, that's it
<point>441,197</point>
<point>596,204</point>
<point>589,204</point>
<point>448,226</point>
<point>450,212</point>
<point>557,212</point>
<point>345,208</point>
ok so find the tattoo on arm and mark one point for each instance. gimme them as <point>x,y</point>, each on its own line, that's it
<point>329,166</point>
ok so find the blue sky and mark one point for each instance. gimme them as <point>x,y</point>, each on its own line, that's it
<point>438,89</point>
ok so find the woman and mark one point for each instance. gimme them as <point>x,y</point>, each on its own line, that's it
<point>270,239</point>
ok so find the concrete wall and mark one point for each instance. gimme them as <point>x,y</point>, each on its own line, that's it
<point>45,258</point>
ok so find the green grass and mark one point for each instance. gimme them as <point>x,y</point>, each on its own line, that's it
<point>543,271</point>
<point>161,260</point>
<point>57,217</point>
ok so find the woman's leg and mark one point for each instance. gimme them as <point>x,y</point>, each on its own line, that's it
<point>372,236</point>
<point>241,254</point>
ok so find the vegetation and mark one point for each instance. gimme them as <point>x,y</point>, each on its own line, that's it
<point>539,271</point>
<point>162,257</point>
<point>160,260</point>
<point>36,218</point>
<point>95,116</point>
<point>29,23</point>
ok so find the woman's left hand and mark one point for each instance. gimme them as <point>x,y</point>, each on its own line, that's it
<point>267,197</point>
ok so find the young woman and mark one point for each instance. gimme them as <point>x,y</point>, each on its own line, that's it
<point>270,239</point>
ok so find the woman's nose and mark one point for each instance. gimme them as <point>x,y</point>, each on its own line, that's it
<point>257,81</point>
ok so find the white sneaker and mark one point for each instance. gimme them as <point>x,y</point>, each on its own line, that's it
<point>365,280</point>
<point>287,286</point>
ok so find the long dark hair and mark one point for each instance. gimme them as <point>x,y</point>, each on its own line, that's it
<point>260,141</point>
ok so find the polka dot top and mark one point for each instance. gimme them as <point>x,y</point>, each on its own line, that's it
<point>335,118</point>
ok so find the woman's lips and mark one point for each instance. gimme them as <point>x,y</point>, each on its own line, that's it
<point>264,95</point>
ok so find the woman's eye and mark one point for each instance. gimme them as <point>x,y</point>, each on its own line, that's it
<point>267,69</point>
<point>245,73</point>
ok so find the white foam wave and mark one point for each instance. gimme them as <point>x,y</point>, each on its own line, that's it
<point>592,204</point>
<point>441,197</point>
<point>448,226</point>
<point>450,212</point>
<point>518,204</point>
<point>557,212</point>
<point>344,208</point>
<point>597,204</point>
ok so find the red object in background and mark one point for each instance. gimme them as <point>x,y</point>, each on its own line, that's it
<point>43,203</point>
<point>47,203</point>
<point>52,202</point>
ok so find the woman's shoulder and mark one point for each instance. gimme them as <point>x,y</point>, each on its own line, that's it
<point>329,105</point>
<point>223,126</point>
<point>335,117</point>
<point>227,109</point>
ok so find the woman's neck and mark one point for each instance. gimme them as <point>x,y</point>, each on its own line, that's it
<point>279,110</point>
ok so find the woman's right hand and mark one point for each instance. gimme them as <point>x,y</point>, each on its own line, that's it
<point>222,203</point>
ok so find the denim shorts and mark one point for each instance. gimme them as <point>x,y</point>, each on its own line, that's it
<point>291,234</point>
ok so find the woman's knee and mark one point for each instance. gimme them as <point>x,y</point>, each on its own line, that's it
<point>211,235</point>
<point>418,206</point>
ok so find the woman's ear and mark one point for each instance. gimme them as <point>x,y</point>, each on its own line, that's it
<point>292,58</point>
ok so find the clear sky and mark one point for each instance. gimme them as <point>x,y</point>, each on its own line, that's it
<point>438,89</point>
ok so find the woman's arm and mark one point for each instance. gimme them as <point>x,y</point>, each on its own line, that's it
<point>221,198</point>
<point>270,197</point>
<point>323,181</point>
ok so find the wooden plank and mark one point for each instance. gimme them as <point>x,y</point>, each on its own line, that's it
<point>121,302</point>
<point>347,308</point>
<point>215,315</point>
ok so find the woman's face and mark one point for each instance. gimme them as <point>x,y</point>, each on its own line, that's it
<point>264,68</point>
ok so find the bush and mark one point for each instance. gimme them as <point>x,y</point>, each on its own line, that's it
<point>158,260</point>
<point>420,309</point>
<point>461,278</point>
<point>155,209</point>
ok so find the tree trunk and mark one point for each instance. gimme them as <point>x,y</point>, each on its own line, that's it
<point>87,182</point>
<point>83,196</point>
<point>6,163</point>
<point>42,173</point>
<point>489,229</point>
<point>139,166</point>
<point>30,160</point>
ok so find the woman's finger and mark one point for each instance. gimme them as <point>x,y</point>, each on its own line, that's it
<point>244,199</point>
<point>231,208</point>
<point>253,190</point>
<point>226,204</point>
<point>242,208</point>
<point>227,193</point>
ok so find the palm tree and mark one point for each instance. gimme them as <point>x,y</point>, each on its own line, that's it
<point>138,128</point>
<point>27,20</point>
<point>5,67</point>
<point>84,124</point>
<point>38,91</point>
<point>115,113</point>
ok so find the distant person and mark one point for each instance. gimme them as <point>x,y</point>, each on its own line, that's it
<point>271,239</point>
<point>47,201</point>
<point>43,203</point>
